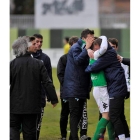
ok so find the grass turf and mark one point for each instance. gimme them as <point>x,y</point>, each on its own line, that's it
<point>50,129</point>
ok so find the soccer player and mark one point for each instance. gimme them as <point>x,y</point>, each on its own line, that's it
<point>76,87</point>
<point>100,94</point>
<point>117,89</point>
<point>47,62</point>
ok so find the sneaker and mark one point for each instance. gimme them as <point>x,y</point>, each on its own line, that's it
<point>84,137</point>
<point>62,138</point>
<point>116,138</point>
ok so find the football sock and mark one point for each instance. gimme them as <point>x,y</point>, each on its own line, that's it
<point>111,131</point>
<point>101,126</point>
<point>127,138</point>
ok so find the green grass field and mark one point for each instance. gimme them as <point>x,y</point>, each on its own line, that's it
<point>50,129</point>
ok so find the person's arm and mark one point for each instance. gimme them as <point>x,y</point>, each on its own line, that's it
<point>99,64</point>
<point>61,70</point>
<point>78,56</point>
<point>126,61</point>
<point>48,85</point>
<point>103,48</point>
<point>49,67</point>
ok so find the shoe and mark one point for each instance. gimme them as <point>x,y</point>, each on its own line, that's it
<point>116,138</point>
<point>84,137</point>
<point>62,138</point>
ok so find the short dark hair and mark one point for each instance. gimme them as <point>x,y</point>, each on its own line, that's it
<point>38,36</point>
<point>31,38</point>
<point>73,39</point>
<point>66,38</point>
<point>95,37</point>
<point>97,41</point>
<point>86,32</point>
<point>114,41</point>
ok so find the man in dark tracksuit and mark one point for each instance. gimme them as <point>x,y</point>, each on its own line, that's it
<point>64,103</point>
<point>76,87</point>
<point>117,89</point>
<point>46,60</point>
<point>26,74</point>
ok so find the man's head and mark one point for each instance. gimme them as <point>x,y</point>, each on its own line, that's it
<point>87,34</point>
<point>114,43</point>
<point>96,44</point>
<point>23,44</point>
<point>33,47</point>
<point>66,40</point>
<point>73,40</point>
<point>39,40</point>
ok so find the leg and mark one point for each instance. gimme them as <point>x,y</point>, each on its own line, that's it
<point>29,126</point>
<point>76,109</point>
<point>15,125</point>
<point>39,120</point>
<point>102,99</point>
<point>116,111</point>
<point>83,121</point>
<point>126,128</point>
<point>64,118</point>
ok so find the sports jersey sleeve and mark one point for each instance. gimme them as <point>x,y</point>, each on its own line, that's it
<point>103,48</point>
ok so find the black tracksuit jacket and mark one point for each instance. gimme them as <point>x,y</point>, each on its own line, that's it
<point>26,74</point>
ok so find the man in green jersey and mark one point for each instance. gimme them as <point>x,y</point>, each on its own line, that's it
<point>100,94</point>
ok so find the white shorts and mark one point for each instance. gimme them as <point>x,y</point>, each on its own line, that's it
<point>102,98</point>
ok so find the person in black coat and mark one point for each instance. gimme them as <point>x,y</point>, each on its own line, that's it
<point>64,103</point>
<point>76,87</point>
<point>47,62</point>
<point>26,74</point>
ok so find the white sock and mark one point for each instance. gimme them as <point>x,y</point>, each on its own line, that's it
<point>122,137</point>
<point>127,138</point>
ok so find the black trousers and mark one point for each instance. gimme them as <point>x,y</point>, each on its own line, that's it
<point>64,119</point>
<point>76,110</point>
<point>117,116</point>
<point>29,125</point>
<point>39,121</point>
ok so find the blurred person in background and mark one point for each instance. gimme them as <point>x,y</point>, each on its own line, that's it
<point>47,62</point>
<point>66,46</point>
<point>26,74</point>
<point>76,87</point>
<point>64,103</point>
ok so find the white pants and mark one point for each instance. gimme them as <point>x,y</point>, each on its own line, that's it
<point>102,98</point>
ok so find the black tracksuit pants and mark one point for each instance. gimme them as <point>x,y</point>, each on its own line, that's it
<point>39,121</point>
<point>64,119</point>
<point>29,124</point>
<point>76,110</point>
<point>117,116</point>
